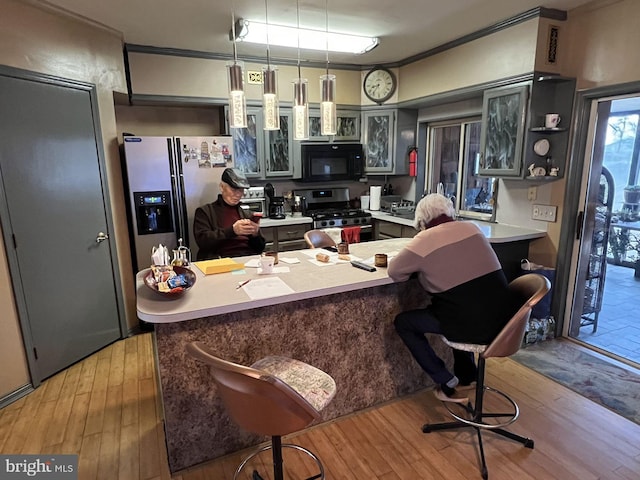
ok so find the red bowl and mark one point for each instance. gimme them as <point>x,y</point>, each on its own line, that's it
<point>150,282</point>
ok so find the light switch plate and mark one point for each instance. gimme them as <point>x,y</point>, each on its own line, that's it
<point>546,213</point>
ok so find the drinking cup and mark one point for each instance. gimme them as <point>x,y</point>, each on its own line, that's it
<point>380,260</point>
<point>266,263</point>
<point>551,120</point>
<point>343,248</point>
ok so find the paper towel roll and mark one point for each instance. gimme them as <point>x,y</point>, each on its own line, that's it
<point>374,201</point>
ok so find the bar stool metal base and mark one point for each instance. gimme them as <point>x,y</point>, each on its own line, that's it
<point>476,418</point>
<point>276,446</point>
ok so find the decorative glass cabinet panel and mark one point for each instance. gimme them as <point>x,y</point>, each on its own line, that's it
<point>348,126</point>
<point>314,127</point>
<point>503,121</point>
<point>247,143</point>
<point>378,140</point>
<point>279,148</point>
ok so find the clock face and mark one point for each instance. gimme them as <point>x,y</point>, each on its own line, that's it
<point>379,84</point>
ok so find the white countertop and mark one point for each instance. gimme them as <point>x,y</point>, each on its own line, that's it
<point>495,232</point>
<point>217,294</point>
<point>288,220</point>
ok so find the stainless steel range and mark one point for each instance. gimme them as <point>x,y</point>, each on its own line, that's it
<point>329,207</point>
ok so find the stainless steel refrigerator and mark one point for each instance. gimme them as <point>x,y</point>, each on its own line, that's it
<point>167,179</point>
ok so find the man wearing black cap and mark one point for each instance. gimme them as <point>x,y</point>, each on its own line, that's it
<point>223,228</point>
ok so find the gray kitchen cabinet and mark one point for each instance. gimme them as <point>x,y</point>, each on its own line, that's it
<point>286,237</point>
<point>347,126</point>
<point>248,143</point>
<point>387,136</point>
<point>279,148</point>
<point>384,230</point>
<point>263,153</point>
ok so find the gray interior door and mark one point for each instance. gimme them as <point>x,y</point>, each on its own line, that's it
<point>55,211</point>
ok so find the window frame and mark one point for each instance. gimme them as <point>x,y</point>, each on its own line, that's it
<point>464,123</point>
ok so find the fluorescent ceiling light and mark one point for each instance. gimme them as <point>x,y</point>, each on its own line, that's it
<point>256,32</point>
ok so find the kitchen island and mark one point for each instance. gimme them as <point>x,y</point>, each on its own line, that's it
<point>335,317</point>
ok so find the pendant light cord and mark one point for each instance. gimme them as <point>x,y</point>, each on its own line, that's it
<point>266,21</point>
<point>233,32</point>
<point>326,10</point>
<point>298,18</point>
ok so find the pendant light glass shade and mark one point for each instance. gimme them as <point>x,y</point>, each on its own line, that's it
<point>237,100</point>
<point>300,109</point>
<point>328,119</point>
<point>270,103</point>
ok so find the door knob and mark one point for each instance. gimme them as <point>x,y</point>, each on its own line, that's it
<point>101,237</point>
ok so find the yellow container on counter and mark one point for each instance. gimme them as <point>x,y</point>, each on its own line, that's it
<point>219,265</point>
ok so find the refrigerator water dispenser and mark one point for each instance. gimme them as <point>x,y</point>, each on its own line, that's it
<point>153,212</point>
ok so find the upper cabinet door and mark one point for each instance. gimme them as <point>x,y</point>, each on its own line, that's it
<point>378,127</point>
<point>279,158</point>
<point>503,129</point>
<point>314,127</point>
<point>347,123</point>
<point>348,126</point>
<point>247,142</point>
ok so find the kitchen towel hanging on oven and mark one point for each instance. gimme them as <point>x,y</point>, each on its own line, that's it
<point>351,234</point>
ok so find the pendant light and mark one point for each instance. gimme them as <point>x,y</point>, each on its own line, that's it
<point>328,116</point>
<point>300,98</point>
<point>270,105</point>
<point>237,99</point>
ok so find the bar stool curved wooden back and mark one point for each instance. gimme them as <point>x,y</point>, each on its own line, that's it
<point>318,239</point>
<point>275,396</point>
<point>531,288</point>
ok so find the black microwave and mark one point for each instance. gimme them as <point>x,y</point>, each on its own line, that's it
<point>327,162</point>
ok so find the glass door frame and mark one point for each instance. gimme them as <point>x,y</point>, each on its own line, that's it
<point>578,173</point>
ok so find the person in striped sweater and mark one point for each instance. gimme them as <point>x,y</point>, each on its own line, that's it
<point>470,299</point>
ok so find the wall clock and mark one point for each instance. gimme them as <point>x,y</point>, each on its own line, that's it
<point>379,84</point>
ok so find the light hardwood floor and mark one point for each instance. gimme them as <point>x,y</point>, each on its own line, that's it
<point>106,409</point>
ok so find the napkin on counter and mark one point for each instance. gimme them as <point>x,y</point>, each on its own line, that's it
<point>289,260</point>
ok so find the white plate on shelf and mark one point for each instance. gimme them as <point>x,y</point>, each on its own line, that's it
<point>541,147</point>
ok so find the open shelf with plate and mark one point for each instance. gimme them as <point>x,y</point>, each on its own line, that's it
<point>546,148</point>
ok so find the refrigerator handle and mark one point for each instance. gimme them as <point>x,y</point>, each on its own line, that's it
<point>175,160</point>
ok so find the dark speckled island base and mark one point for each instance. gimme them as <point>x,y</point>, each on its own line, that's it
<point>350,336</point>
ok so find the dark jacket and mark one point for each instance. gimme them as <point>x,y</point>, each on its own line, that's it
<point>456,264</point>
<point>215,241</point>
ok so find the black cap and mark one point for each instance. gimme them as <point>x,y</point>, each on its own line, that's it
<point>235,178</point>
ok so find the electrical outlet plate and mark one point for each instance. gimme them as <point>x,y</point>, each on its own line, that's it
<point>546,213</point>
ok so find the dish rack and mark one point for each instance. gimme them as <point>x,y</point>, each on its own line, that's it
<point>395,204</point>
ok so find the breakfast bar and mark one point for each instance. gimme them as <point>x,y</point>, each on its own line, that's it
<point>333,316</point>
